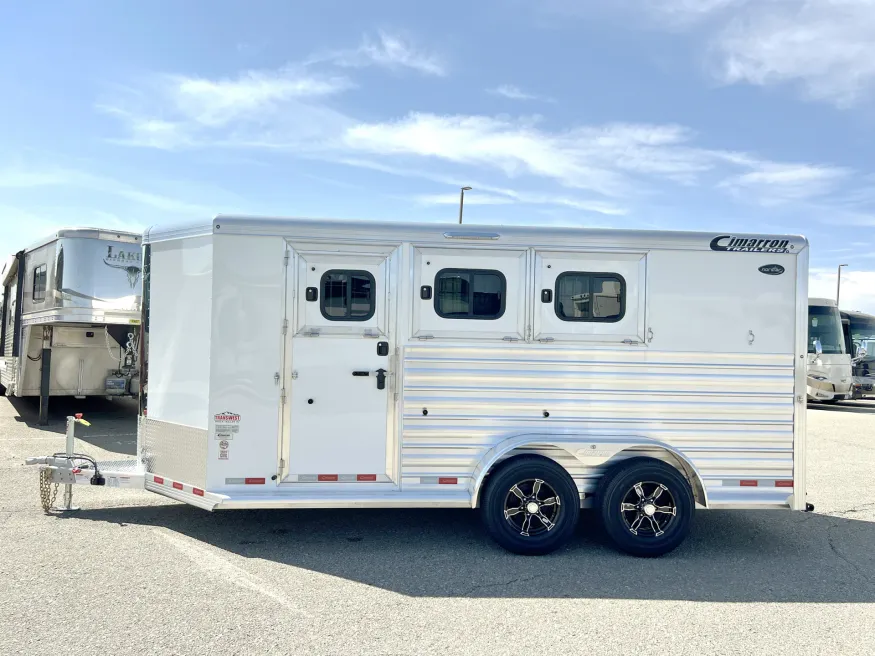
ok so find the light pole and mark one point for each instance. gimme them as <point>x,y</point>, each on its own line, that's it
<point>462,202</point>
<point>839,284</point>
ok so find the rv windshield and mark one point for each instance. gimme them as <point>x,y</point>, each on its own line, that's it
<point>863,334</point>
<point>825,324</point>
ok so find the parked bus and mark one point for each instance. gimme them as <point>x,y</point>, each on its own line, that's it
<point>860,341</point>
<point>829,363</point>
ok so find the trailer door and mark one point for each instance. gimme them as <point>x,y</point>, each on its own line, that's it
<point>341,387</point>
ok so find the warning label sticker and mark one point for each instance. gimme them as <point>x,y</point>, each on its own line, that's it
<point>224,447</point>
<point>227,425</point>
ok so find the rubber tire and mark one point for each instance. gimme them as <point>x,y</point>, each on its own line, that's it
<point>520,469</point>
<point>618,482</point>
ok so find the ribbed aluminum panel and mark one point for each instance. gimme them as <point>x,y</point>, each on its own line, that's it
<point>730,414</point>
<point>175,451</point>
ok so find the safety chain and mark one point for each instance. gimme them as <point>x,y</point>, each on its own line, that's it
<point>47,495</point>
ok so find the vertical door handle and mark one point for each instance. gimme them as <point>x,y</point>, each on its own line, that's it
<point>381,379</point>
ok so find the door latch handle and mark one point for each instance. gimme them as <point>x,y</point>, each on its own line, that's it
<point>361,373</point>
<point>381,379</point>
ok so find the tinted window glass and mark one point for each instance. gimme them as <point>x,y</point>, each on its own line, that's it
<point>582,296</point>
<point>469,294</point>
<point>348,295</point>
<point>39,283</point>
<point>825,325</point>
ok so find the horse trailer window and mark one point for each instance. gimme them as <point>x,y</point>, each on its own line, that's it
<point>584,296</point>
<point>39,284</point>
<point>347,295</point>
<point>469,293</point>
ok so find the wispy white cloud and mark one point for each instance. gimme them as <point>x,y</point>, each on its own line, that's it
<point>824,46</point>
<point>470,199</point>
<point>515,93</point>
<point>390,51</point>
<point>858,288</point>
<point>16,177</point>
<point>773,183</point>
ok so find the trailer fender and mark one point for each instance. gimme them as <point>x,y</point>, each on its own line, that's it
<point>592,451</point>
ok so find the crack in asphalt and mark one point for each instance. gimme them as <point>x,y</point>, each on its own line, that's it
<point>503,583</point>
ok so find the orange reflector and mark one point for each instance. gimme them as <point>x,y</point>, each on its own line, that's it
<point>197,492</point>
<point>366,477</point>
<point>253,481</point>
<point>448,481</point>
<point>159,480</point>
<point>177,486</point>
<point>748,483</point>
<point>326,477</point>
<point>783,483</point>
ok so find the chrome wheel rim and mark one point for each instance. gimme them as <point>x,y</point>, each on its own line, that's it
<point>648,509</point>
<point>532,507</point>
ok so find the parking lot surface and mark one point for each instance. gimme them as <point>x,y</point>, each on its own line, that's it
<point>133,572</point>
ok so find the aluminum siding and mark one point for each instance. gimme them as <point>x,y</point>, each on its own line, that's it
<point>730,414</point>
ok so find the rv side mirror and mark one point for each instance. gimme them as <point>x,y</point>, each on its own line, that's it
<point>546,296</point>
<point>425,292</point>
<point>312,294</point>
<point>818,347</point>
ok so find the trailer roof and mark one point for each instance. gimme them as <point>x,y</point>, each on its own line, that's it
<point>87,233</point>
<point>383,231</point>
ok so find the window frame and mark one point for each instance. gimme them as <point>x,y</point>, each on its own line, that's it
<point>451,270</point>
<point>591,275</point>
<point>349,273</point>
<point>40,269</point>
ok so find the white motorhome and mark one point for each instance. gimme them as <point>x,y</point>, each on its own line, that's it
<point>523,371</point>
<point>829,363</point>
<point>71,314</point>
<point>860,341</point>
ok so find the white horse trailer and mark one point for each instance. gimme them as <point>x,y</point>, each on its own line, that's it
<point>527,372</point>
<point>70,316</point>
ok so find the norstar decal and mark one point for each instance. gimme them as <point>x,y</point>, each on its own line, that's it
<point>750,245</point>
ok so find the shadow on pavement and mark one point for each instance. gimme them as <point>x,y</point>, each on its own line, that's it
<point>731,556</point>
<point>864,407</point>
<point>113,422</point>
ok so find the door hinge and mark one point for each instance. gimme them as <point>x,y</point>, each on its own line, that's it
<point>286,259</point>
<point>545,340</point>
<point>421,337</point>
<point>285,326</point>
<point>396,397</point>
<point>312,333</point>
<point>283,395</point>
<point>282,463</point>
<point>631,342</point>
<point>508,338</point>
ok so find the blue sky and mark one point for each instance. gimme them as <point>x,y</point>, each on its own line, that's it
<point>672,114</point>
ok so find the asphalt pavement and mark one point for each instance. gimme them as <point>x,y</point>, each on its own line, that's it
<point>133,572</point>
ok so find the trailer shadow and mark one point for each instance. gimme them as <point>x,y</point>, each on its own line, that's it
<point>738,556</point>
<point>113,422</point>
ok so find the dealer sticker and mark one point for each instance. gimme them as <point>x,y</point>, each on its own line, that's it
<point>227,425</point>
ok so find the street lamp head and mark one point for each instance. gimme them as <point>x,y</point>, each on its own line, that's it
<point>467,188</point>
<point>841,265</point>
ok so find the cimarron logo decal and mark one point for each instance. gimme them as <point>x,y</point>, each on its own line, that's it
<point>751,244</point>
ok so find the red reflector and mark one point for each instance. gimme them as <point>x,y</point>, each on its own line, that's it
<point>748,483</point>
<point>327,477</point>
<point>178,486</point>
<point>197,492</point>
<point>253,481</point>
<point>448,481</point>
<point>783,483</point>
<point>366,477</point>
<point>159,480</point>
